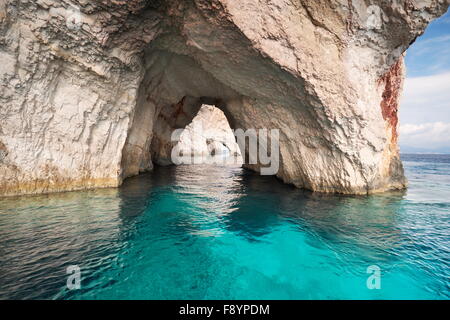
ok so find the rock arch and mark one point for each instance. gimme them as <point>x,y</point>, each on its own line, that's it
<point>84,89</point>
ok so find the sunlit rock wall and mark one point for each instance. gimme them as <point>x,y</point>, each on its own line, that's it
<point>88,87</point>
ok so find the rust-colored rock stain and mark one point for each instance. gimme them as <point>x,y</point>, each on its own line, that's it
<point>392,81</point>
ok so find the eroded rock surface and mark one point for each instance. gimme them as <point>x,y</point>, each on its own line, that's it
<point>89,89</point>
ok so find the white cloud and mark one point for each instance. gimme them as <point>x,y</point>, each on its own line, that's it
<point>430,135</point>
<point>429,84</point>
<point>426,99</point>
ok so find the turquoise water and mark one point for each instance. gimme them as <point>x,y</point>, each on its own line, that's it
<point>202,232</point>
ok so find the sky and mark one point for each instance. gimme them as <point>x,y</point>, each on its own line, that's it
<point>425,102</point>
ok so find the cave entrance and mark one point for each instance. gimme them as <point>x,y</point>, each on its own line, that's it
<point>208,139</point>
<point>175,89</point>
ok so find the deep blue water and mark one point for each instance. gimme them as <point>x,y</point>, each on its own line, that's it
<point>202,232</point>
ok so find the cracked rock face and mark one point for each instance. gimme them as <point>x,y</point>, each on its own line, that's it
<point>90,90</point>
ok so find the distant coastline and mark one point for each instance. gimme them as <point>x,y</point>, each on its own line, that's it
<point>414,150</point>
<point>426,157</point>
<point>427,153</point>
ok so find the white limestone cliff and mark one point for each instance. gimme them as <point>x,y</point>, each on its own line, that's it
<point>90,90</point>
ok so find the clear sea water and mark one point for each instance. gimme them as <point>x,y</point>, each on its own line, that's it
<point>204,232</point>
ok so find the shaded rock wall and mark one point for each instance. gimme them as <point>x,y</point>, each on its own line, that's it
<point>84,85</point>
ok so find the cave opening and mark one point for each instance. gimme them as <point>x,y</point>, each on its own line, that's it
<point>207,139</point>
<point>192,131</point>
<point>174,90</point>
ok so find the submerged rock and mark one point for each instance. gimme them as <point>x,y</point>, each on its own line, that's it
<point>90,90</point>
